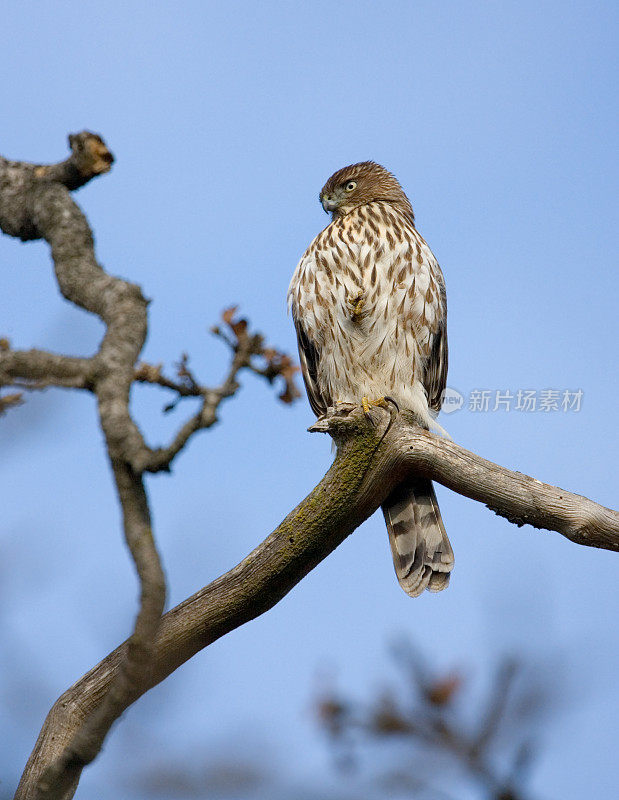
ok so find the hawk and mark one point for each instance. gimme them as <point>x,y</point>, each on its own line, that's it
<point>369,307</point>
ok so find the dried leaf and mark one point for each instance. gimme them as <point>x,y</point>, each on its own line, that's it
<point>386,719</point>
<point>239,327</point>
<point>228,314</point>
<point>332,714</point>
<point>442,691</point>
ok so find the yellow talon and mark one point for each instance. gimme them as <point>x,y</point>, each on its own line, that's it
<point>356,304</point>
<point>367,403</point>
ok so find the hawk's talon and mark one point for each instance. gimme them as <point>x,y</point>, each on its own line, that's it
<point>356,305</point>
<point>391,400</point>
<point>380,402</point>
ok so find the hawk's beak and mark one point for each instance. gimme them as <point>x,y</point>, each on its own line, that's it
<point>328,204</point>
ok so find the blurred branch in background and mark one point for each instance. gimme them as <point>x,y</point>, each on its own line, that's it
<point>430,735</point>
<point>441,746</point>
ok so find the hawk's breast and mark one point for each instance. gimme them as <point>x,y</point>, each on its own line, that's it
<point>368,297</point>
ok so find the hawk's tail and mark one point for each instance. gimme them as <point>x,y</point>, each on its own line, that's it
<point>422,554</point>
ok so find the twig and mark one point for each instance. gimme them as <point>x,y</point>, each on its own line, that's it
<point>497,702</point>
<point>246,348</point>
<point>10,401</point>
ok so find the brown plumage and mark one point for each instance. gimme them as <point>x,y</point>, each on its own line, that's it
<point>369,307</point>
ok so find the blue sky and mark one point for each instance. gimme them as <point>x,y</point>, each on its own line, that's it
<point>226,119</point>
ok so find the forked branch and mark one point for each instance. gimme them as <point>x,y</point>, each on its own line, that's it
<point>373,455</point>
<point>35,203</point>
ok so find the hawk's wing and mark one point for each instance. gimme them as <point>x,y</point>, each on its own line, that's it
<point>308,356</point>
<point>436,367</point>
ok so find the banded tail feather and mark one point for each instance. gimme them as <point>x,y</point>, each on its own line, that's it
<point>422,554</point>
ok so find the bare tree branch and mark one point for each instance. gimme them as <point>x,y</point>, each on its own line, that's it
<point>519,498</point>
<point>373,456</point>
<point>89,158</point>
<point>35,203</point>
<point>59,778</point>
<point>19,181</point>
<point>38,369</point>
<point>10,401</point>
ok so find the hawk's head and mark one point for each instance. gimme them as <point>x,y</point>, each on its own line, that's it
<point>362,183</point>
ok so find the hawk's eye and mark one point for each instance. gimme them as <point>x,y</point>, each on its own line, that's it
<point>351,186</point>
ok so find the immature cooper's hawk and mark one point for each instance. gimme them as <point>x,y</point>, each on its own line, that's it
<point>369,307</point>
